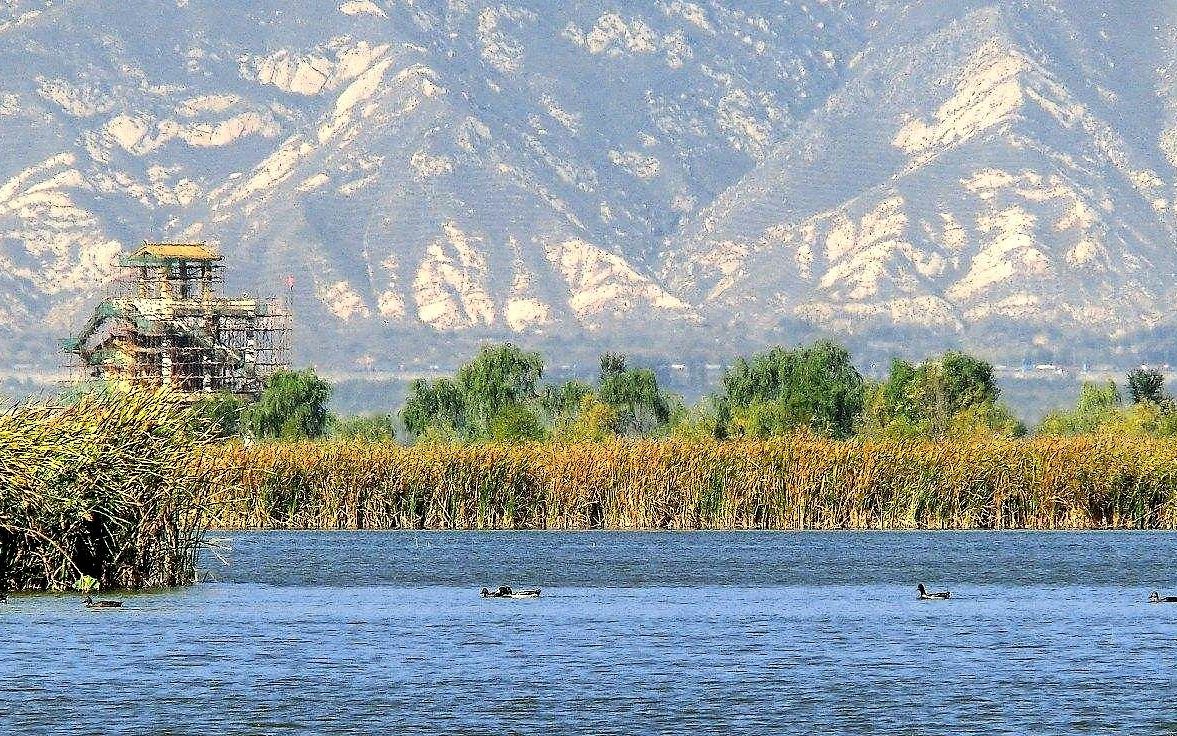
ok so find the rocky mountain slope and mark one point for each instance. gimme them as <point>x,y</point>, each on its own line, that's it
<point>673,178</point>
<point>967,179</point>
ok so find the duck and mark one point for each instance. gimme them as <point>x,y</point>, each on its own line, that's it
<point>926,596</point>
<point>1155,597</point>
<point>91,603</point>
<point>506,592</point>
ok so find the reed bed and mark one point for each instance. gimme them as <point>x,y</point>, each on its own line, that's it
<point>790,483</point>
<point>114,487</point>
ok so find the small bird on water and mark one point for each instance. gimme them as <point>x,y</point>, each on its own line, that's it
<point>926,596</point>
<point>91,603</point>
<point>1155,597</point>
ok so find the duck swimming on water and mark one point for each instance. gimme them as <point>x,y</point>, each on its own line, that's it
<point>91,603</point>
<point>506,592</point>
<point>926,596</point>
<point>1155,597</point>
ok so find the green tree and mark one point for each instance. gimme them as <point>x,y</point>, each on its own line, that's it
<point>490,396</point>
<point>563,401</point>
<point>815,387</point>
<point>1095,399</point>
<point>700,421</point>
<point>369,428</point>
<point>642,408</point>
<point>892,401</point>
<point>954,382</point>
<point>293,405</point>
<point>612,364</point>
<point>516,423</point>
<point>1146,384</point>
<point>986,419</point>
<point>952,394</point>
<point>594,421</point>
<point>438,404</point>
<point>500,376</point>
<point>1099,408</point>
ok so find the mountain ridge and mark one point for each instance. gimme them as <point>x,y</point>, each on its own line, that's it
<point>678,178</point>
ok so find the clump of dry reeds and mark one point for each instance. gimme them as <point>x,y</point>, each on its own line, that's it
<point>790,483</point>
<point>113,486</point>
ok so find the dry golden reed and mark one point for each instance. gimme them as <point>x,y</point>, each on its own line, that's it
<point>112,487</point>
<point>789,483</point>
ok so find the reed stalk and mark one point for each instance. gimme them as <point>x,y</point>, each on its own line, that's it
<point>788,483</point>
<point>114,486</point>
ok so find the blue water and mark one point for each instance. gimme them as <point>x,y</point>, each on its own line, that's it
<point>743,633</point>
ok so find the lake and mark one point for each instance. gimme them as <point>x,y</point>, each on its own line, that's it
<point>744,633</point>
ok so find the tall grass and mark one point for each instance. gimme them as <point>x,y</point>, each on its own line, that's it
<point>113,486</point>
<point>792,483</point>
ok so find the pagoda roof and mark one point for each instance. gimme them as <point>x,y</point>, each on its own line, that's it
<point>157,252</point>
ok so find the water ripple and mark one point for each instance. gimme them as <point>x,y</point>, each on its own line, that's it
<point>641,633</point>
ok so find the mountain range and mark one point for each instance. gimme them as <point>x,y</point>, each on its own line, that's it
<point>677,179</point>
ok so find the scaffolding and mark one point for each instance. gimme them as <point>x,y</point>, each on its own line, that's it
<point>167,324</point>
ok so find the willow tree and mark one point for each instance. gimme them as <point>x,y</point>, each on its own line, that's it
<point>293,405</point>
<point>815,387</point>
<point>642,407</point>
<point>493,396</point>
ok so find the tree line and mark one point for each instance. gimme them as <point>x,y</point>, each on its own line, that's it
<point>500,395</point>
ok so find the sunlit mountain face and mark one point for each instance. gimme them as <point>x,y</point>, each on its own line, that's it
<point>669,178</point>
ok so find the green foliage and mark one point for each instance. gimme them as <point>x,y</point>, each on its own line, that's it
<point>626,401</point>
<point>87,584</point>
<point>950,395</point>
<point>1095,399</point>
<point>612,364</point>
<point>370,428</point>
<point>293,405</point>
<point>220,415</point>
<point>814,387</point>
<point>1097,410</point>
<point>986,419</point>
<point>1146,384</point>
<point>436,404</point>
<point>562,402</point>
<point>438,435</point>
<point>490,396</point>
<point>499,377</point>
<point>953,383</point>
<point>764,419</point>
<point>1147,419</point>
<point>642,408</point>
<point>516,423</point>
<point>1100,410</point>
<point>698,422</point>
<point>593,421</point>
